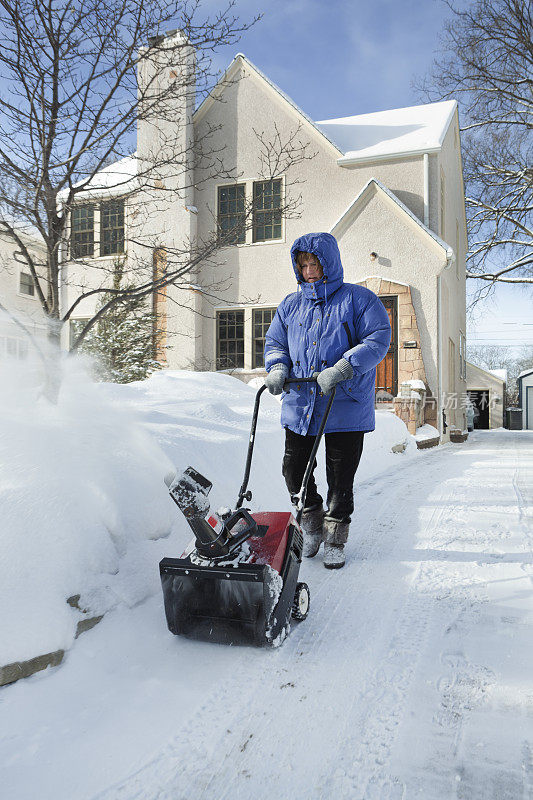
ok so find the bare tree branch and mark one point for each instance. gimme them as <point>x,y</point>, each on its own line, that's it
<point>486,63</point>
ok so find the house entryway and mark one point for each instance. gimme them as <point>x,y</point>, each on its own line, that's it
<point>387,370</point>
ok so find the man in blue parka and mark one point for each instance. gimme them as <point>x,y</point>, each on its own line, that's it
<point>342,331</point>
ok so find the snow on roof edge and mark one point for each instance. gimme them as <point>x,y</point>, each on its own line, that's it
<point>489,372</point>
<point>105,189</point>
<point>350,155</point>
<point>499,373</point>
<point>524,373</point>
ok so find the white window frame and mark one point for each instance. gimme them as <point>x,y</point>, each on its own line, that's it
<point>248,335</point>
<point>252,331</point>
<point>21,345</point>
<point>23,294</point>
<point>228,309</point>
<point>96,202</point>
<point>248,198</point>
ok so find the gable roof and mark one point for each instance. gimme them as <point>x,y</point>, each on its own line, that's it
<point>385,134</point>
<point>374,184</point>
<point>229,76</point>
<point>526,372</point>
<point>364,137</point>
<point>489,373</point>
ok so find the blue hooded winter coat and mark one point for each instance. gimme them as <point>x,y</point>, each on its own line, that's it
<point>316,326</point>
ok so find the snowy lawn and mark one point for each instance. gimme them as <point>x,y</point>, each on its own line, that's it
<point>411,676</point>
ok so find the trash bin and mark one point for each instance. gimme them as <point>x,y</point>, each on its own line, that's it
<point>514,419</point>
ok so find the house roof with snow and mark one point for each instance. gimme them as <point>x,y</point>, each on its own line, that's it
<point>229,76</point>
<point>384,134</point>
<point>115,179</point>
<point>525,372</point>
<point>493,374</point>
<point>364,137</point>
<point>500,373</point>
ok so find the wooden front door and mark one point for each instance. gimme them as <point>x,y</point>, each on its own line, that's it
<point>387,370</point>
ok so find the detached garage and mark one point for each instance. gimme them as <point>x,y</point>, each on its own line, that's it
<point>486,390</point>
<point>525,398</point>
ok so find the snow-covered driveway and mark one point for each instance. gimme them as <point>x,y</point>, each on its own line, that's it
<point>411,678</point>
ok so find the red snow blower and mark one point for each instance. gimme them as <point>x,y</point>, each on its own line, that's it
<point>237,581</point>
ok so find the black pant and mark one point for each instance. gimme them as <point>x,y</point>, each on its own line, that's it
<point>343,453</point>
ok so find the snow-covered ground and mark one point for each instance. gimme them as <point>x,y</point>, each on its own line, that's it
<point>411,677</point>
<point>84,504</point>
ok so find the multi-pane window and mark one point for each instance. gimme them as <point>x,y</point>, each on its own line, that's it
<point>112,227</point>
<point>261,319</point>
<point>232,214</point>
<point>14,348</point>
<point>82,239</point>
<point>267,210</point>
<point>76,327</point>
<point>26,285</point>
<point>230,339</point>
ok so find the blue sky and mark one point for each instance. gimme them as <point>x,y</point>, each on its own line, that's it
<point>336,58</point>
<point>339,58</point>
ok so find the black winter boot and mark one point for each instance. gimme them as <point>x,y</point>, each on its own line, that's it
<point>312,525</point>
<point>335,537</point>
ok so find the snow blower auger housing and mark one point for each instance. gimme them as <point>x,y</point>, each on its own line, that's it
<point>237,581</point>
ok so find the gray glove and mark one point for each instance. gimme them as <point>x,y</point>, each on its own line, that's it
<point>331,376</point>
<point>276,378</point>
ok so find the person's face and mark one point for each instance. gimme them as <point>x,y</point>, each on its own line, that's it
<point>311,268</point>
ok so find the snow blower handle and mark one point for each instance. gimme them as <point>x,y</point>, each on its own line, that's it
<point>247,495</point>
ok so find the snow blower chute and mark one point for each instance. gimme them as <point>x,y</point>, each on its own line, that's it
<point>237,581</point>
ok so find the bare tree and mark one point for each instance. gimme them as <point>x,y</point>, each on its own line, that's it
<point>487,65</point>
<point>80,80</point>
<point>489,356</point>
<point>71,101</point>
<point>493,356</point>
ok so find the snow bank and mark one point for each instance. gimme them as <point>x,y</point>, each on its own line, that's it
<point>378,455</point>
<point>80,484</point>
<point>426,432</point>
<point>84,504</point>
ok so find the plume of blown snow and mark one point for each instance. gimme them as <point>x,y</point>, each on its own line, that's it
<point>82,495</point>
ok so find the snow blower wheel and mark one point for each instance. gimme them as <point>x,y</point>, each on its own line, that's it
<point>301,602</point>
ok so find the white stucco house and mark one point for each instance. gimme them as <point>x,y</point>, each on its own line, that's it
<point>19,298</point>
<point>388,185</point>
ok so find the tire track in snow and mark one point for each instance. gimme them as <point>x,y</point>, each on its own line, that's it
<point>192,747</point>
<point>352,605</point>
<point>457,767</point>
<point>376,713</point>
<point>278,710</point>
<point>355,605</point>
